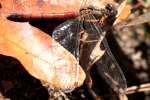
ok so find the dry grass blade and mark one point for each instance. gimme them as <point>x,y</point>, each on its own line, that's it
<point>124,11</point>
<point>123,97</point>
<point>140,88</point>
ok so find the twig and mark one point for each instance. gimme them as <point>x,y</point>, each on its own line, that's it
<point>140,88</point>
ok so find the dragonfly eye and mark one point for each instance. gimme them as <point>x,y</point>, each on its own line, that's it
<point>111,9</point>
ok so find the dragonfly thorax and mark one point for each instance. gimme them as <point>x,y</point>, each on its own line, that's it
<point>103,16</point>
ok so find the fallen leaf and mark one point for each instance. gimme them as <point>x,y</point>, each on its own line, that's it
<point>124,11</point>
<point>42,57</point>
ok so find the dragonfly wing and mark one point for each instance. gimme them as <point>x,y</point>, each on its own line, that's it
<point>107,66</point>
<point>110,70</point>
<point>67,35</point>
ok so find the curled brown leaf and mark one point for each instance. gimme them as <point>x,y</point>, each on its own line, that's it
<point>41,56</point>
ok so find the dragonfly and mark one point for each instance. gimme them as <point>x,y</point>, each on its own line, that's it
<point>90,22</point>
<point>82,34</point>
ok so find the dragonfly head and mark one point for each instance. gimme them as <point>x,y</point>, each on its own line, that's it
<point>111,9</point>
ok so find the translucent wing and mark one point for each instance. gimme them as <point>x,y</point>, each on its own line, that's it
<point>91,36</point>
<point>108,67</point>
<point>67,34</point>
<point>110,70</point>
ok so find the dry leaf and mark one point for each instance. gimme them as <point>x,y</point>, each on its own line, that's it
<point>41,56</point>
<point>124,11</point>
